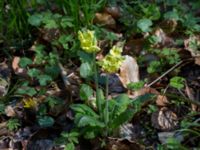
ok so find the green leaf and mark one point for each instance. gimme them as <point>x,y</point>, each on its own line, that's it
<point>86,70</point>
<point>140,100</point>
<point>122,118</point>
<point>26,91</point>
<point>66,22</point>
<point>177,82</point>
<point>121,104</point>
<point>89,121</point>
<point>2,108</point>
<point>33,72</point>
<point>144,25</point>
<point>85,57</point>
<point>13,124</point>
<point>136,85</point>
<point>35,20</point>
<point>85,92</point>
<point>52,101</point>
<point>44,79</point>
<point>46,121</point>
<point>83,109</point>
<point>24,61</point>
<point>155,66</point>
<point>51,24</point>
<point>64,39</point>
<point>171,15</point>
<point>70,146</point>
<point>52,71</point>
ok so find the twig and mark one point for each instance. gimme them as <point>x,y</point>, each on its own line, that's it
<point>164,74</point>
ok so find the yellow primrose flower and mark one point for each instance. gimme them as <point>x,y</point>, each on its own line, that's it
<point>30,103</point>
<point>88,41</point>
<point>113,60</point>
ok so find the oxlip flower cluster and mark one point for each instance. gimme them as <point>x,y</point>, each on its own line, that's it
<point>88,41</point>
<point>112,61</point>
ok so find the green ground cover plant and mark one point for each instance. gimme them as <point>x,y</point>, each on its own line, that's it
<point>65,82</point>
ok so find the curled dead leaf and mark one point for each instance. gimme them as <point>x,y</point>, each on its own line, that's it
<point>162,100</point>
<point>193,44</point>
<point>164,40</point>
<point>105,19</point>
<point>164,119</point>
<point>5,77</point>
<point>16,68</point>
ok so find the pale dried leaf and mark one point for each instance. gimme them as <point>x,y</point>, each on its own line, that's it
<point>163,136</point>
<point>164,40</point>
<point>190,93</point>
<point>129,71</point>
<point>16,68</point>
<point>10,112</point>
<point>113,11</point>
<point>143,91</point>
<point>164,119</point>
<point>193,44</point>
<point>105,19</point>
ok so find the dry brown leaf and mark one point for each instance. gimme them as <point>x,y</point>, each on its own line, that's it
<point>192,44</point>
<point>162,100</point>
<point>105,19</point>
<point>16,68</point>
<point>190,93</point>
<point>164,40</point>
<point>123,144</point>
<point>197,60</point>
<point>134,46</point>
<point>5,77</point>
<point>10,112</point>
<point>129,71</point>
<point>164,119</point>
<point>113,11</point>
<point>169,26</point>
<point>3,129</point>
<point>143,91</point>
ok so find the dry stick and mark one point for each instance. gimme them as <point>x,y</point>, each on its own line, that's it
<point>164,74</point>
<point>64,75</point>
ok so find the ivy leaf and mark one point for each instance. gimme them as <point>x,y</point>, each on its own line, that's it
<point>85,92</point>
<point>46,121</point>
<point>51,24</point>
<point>70,146</point>
<point>177,82</point>
<point>144,25</point>
<point>86,70</point>
<point>66,22</point>
<point>171,15</point>
<point>52,71</point>
<point>33,72</point>
<point>24,61</point>
<point>35,20</point>
<point>44,79</point>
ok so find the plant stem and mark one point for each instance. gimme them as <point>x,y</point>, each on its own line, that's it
<point>98,99</point>
<point>106,107</point>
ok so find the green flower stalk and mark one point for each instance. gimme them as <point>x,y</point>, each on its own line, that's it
<point>112,62</point>
<point>88,41</point>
